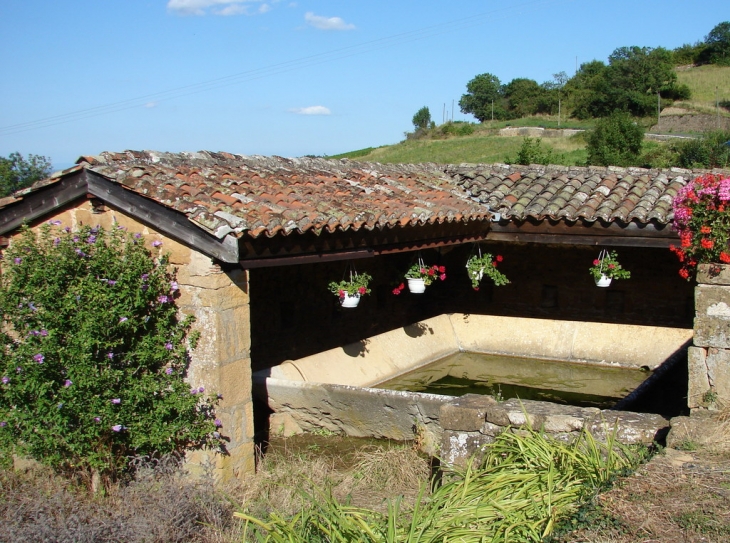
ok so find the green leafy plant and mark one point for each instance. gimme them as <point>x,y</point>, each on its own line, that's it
<point>525,485</point>
<point>93,355</point>
<point>480,265</point>
<point>607,265</point>
<point>702,219</point>
<point>356,284</point>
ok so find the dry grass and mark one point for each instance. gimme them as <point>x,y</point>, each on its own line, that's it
<point>677,497</point>
<point>364,473</point>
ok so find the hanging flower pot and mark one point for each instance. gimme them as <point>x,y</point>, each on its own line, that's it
<point>349,291</point>
<point>416,285</point>
<point>606,268</point>
<point>350,300</point>
<point>480,265</point>
<point>419,276</point>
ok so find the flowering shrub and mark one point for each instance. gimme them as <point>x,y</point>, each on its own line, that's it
<point>702,218</point>
<point>357,284</point>
<point>480,265</point>
<point>607,264</point>
<point>93,355</point>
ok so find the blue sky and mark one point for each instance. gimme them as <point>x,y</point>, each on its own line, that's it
<point>275,77</point>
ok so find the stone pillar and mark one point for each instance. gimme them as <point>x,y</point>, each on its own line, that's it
<point>709,358</point>
<point>222,361</point>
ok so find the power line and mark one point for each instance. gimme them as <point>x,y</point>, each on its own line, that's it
<point>279,68</point>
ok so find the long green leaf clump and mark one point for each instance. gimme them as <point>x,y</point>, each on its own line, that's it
<point>525,483</point>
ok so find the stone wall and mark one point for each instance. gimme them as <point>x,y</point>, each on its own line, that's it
<point>220,303</point>
<point>472,421</point>
<point>709,358</point>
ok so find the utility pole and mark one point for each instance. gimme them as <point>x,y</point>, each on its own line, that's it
<point>492,110</point>
<point>558,112</point>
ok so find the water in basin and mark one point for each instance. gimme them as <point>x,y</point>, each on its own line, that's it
<point>583,385</point>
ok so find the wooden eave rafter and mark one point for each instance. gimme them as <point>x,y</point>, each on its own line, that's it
<point>328,247</point>
<point>80,184</point>
<point>650,235</point>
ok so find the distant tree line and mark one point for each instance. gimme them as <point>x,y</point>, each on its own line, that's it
<point>633,81</point>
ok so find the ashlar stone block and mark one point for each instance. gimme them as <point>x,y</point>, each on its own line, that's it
<point>466,413</point>
<point>712,332</point>
<point>698,380</point>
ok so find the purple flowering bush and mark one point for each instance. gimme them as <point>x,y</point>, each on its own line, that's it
<point>93,354</point>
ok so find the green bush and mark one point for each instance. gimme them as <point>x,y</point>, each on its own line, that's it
<point>709,151</point>
<point>531,152</point>
<point>93,355</point>
<point>456,128</point>
<point>615,141</point>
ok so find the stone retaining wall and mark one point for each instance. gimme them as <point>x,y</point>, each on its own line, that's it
<point>473,420</point>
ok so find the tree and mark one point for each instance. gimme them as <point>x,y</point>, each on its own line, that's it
<point>422,119</point>
<point>718,45</point>
<point>615,141</point>
<point>524,96</point>
<point>93,354</point>
<point>483,93</point>
<point>17,173</point>
<point>629,83</point>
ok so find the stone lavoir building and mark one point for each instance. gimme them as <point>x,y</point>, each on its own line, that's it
<point>256,240</point>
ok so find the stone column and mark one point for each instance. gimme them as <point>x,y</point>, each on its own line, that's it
<point>709,358</point>
<point>222,361</point>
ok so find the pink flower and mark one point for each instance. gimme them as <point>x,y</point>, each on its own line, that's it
<point>156,243</point>
<point>596,262</point>
<point>362,291</point>
<point>442,276</point>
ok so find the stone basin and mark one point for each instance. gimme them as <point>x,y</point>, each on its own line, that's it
<point>338,389</point>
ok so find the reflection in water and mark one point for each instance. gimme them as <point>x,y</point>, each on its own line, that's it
<point>526,378</point>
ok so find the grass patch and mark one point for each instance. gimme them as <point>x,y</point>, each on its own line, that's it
<point>478,148</point>
<point>703,81</point>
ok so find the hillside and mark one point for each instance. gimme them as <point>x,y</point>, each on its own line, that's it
<point>484,145</point>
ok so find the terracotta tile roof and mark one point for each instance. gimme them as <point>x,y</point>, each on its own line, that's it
<point>574,193</point>
<point>256,195</point>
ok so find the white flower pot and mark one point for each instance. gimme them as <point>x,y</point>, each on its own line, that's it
<point>350,300</point>
<point>604,281</point>
<point>416,286</point>
<point>476,274</point>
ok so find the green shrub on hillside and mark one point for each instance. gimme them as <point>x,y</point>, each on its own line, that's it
<point>709,151</point>
<point>532,153</point>
<point>93,354</point>
<point>615,141</point>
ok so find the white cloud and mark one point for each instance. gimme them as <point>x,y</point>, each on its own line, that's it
<point>327,23</point>
<point>150,105</point>
<point>215,7</point>
<point>312,110</point>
